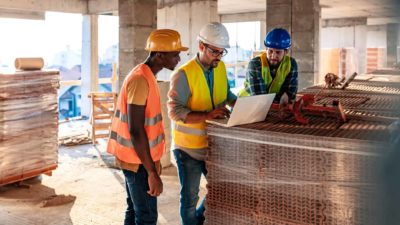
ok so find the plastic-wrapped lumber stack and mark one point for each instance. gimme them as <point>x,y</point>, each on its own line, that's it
<point>281,172</point>
<point>28,124</point>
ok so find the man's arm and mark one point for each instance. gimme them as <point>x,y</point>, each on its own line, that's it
<point>255,83</point>
<point>290,84</point>
<point>140,141</point>
<point>198,117</point>
<point>231,98</point>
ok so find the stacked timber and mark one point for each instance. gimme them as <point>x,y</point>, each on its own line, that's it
<point>28,124</point>
<point>284,173</point>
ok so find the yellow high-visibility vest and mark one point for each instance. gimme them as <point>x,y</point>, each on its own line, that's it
<point>193,136</point>
<point>273,84</point>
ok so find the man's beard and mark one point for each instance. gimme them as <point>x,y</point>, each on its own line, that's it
<point>214,63</point>
<point>275,64</point>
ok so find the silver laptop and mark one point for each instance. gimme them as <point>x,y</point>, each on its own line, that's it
<point>248,109</point>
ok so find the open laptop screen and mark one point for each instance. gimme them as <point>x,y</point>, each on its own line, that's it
<point>248,109</point>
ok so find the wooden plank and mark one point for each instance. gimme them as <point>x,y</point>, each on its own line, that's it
<point>102,116</point>
<point>28,174</point>
<point>102,94</point>
<point>102,126</point>
<point>103,107</point>
<point>102,135</point>
<point>98,105</point>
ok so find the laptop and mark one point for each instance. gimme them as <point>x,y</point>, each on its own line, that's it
<point>248,109</point>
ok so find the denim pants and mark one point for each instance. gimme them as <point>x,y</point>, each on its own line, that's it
<point>142,208</point>
<point>190,171</point>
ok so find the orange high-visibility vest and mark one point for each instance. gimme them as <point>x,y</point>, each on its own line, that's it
<point>119,143</point>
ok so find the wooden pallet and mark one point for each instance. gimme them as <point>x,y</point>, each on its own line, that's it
<point>103,107</point>
<point>48,170</point>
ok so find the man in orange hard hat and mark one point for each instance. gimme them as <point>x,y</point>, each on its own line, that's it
<point>137,132</point>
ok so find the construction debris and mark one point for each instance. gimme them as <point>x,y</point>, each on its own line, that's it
<point>80,139</point>
<point>332,80</point>
<point>74,132</point>
<point>56,200</point>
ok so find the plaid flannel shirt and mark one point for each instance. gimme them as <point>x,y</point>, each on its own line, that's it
<point>256,85</point>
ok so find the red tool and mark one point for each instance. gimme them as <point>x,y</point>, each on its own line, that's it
<point>306,104</point>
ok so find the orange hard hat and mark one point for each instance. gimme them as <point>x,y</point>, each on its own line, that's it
<point>164,40</point>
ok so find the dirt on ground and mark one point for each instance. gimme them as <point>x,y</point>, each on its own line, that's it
<point>85,189</point>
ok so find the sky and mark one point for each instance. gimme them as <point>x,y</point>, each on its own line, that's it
<point>43,38</point>
<point>250,41</point>
<point>61,31</point>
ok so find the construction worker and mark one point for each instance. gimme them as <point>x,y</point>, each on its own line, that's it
<point>137,132</point>
<point>273,71</point>
<point>199,91</point>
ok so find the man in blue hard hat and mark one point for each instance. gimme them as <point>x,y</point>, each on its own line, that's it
<point>273,71</point>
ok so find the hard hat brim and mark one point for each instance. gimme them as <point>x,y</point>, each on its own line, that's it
<point>181,49</point>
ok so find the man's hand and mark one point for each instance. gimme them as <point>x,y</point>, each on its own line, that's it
<point>219,113</point>
<point>155,185</point>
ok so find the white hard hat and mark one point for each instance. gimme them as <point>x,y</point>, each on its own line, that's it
<point>214,34</point>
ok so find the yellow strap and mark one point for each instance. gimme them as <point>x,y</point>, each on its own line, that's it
<point>283,70</point>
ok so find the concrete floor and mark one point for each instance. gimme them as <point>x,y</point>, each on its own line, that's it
<point>85,172</point>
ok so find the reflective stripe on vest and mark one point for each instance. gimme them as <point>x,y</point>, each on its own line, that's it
<point>120,143</point>
<point>127,143</point>
<point>147,121</point>
<point>194,136</point>
<point>189,130</point>
<point>273,84</point>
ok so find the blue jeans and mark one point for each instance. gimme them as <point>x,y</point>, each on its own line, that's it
<point>142,208</point>
<point>190,171</point>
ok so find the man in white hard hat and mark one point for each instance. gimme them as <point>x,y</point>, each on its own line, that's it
<point>199,91</point>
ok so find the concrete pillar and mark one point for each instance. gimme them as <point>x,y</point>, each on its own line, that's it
<point>187,17</point>
<point>90,61</point>
<point>137,18</point>
<point>302,19</point>
<point>392,36</point>
<point>360,45</point>
<point>263,32</point>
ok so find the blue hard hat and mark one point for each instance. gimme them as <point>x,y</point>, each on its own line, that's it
<point>278,38</point>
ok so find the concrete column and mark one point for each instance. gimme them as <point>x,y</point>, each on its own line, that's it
<point>392,36</point>
<point>263,32</point>
<point>302,19</point>
<point>360,45</point>
<point>137,18</point>
<point>90,61</point>
<point>187,17</point>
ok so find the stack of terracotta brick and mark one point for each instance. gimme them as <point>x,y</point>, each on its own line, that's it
<point>282,172</point>
<point>28,124</point>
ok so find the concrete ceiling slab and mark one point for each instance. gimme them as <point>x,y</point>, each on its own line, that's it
<point>241,6</point>
<point>329,8</point>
